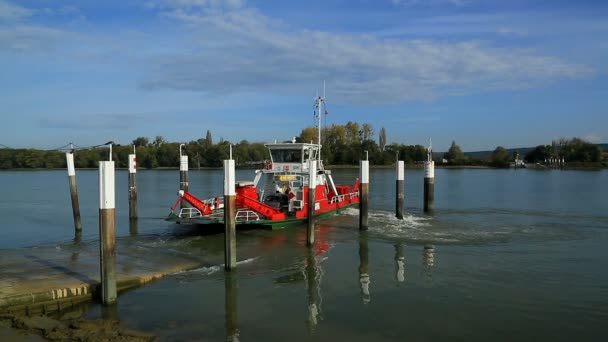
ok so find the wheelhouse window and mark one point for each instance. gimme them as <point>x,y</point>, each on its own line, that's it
<point>286,155</point>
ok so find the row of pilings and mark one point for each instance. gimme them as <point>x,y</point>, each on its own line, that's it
<point>107,216</point>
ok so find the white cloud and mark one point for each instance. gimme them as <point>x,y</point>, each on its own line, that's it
<point>9,11</point>
<point>593,138</point>
<point>29,37</point>
<point>241,50</point>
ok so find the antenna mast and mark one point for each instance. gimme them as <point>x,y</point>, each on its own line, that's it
<point>319,102</point>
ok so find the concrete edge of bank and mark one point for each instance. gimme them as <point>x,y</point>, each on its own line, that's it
<point>61,298</point>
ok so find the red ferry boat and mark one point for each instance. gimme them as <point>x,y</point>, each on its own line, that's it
<point>278,195</point>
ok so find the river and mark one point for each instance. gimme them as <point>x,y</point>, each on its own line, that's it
<point>506,255</point>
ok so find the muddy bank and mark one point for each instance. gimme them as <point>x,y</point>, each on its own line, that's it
<point>41,328</point>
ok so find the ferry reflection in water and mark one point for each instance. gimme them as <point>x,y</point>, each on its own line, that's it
<point>230,302</point>
<point>364,278</point>
<point>399,264</point>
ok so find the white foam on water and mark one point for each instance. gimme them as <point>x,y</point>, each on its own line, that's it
<point>208,270</point>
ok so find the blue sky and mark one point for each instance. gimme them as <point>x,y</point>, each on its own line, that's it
<point>482,73</point>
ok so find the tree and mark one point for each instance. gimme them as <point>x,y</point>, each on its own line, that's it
<point>538,154</point>
<point>382,138</point>
<point>141,141</point>
<point>159,140</point>
<point>367,131</point>
<point>454,155</point>
<point>309,134</point>
<point>500,157</point>
<point>208,140</point>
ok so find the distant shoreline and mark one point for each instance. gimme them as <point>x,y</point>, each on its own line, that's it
<point>336,167</point>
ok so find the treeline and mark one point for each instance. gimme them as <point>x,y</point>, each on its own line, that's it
<point>342,145</point>
<point>150,154</point>
<point>574,150</point>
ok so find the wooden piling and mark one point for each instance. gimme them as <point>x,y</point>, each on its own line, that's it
<point>312,186</point>
<point>107,232</point>
<point>229,215</point>
<point>183,175</point>
<point>429,186</point>
<point>69,156</point>
<point>363,195</point>
<point>132,187</point>
<point>399,192</point>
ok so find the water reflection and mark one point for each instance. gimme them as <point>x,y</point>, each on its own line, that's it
<point>399,264</point>
<point>109,312</point>
<point>364,278</point>
<point>231,289</point>
<point>428,261</point>
<point>313,274</point>
<point>133,228</point>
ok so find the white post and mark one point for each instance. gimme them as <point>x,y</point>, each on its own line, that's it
<point>400,192</point>
<point>312,186</point>
<point>363,195</point>
<point>229,215</point>
<point>107,231</point>
<point>132,186</point>
<point>69,156</point>
<point>429,185</point>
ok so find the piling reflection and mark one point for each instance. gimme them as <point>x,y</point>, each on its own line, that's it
<point>364,277</point>
<point>428,261</point>
<point>231,313</point>
<point>133,227</point>
<point>109,312</point>
<point>399,264</point>
<point>313,274</point>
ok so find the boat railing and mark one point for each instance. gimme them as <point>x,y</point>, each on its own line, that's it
<point>247,215</point>
<point>340,198</point>
<point>189,213</point>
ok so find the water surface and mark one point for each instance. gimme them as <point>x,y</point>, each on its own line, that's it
<point>506,255</point>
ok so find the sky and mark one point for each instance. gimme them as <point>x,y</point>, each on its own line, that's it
<point>482,73</point>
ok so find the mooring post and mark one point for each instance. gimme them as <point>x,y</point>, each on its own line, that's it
<point>183,173</point>
<point>363,195</point>
<point>107,231</point>
<point>399,192</point>
<point>69,156</point>
<point>429,182</point>
<point>132,186</point>
<point>231,306</point>
<point>229,215</point>
<point>312,189</point>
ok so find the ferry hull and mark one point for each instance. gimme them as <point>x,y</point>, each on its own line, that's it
<point>266,224</point>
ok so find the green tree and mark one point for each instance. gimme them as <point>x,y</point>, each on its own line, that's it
<point>500,157</point>
<point>454,155</point>
<point>382,138</point>
<point>141,141</point>
<point>208,140</point>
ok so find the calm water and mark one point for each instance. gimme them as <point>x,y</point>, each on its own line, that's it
<point>507,255</point>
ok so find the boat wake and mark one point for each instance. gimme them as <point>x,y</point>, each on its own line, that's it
<point>476,228</point>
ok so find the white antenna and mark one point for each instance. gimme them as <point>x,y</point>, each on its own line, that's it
<point>319,102</point>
